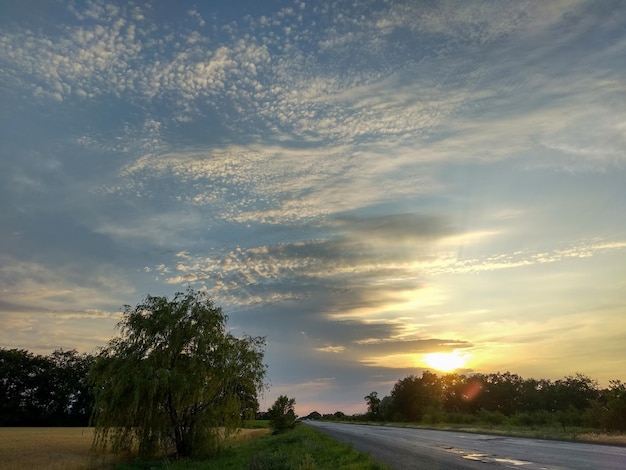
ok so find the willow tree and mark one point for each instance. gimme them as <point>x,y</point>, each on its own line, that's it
<point>174,380</point>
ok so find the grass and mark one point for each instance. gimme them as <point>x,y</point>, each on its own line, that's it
<point>571,433</point>
<point>256,424</point>
<point>300,449</point>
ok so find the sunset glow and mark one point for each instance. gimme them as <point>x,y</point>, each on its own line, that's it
<point>445,362</point>
<point>376,187</point>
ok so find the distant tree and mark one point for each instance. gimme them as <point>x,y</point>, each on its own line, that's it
<point>282,415</point>
<point>615,419</point>
<point>17,370</point>
<point>577,391</point>
<point>69,381</point>
<point>385,408</point>
<point>38,390</point>
<point>457,392</point>
<point>501,392</point>
<point>314,415</point>
<point>413,396</point>
<point>373,404</point>
<point>174,378</point>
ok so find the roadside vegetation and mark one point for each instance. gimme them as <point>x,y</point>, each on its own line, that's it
<point>301,448</point>
<point>506,428</point>
<point>574,407</point>
<point>503,398</point>
<point>252,448</point>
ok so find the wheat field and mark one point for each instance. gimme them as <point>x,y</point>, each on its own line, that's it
<point>51,448</point>
<point>64,448</point>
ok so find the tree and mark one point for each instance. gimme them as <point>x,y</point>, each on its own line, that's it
<point>615,419</point>
<point>282,415</point>
<point>69,382</point>
<point>174,379</point>
<point>40,390</point>
<point>413,396</point>
<point>373,404</point>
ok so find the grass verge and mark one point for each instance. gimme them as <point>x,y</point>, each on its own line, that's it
<point>302,448</point>
<point>572,433</point>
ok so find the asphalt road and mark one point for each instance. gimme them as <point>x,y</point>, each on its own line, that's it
<point>404,448</point>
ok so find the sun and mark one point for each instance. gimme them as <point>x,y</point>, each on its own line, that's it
<point>445,362</point>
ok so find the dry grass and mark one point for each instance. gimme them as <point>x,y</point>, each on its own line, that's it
<point>601,438</point>
<point>246,434</point>
<point>65,448</point>
<point>51,448</point>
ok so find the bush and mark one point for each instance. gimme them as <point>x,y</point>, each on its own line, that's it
<point>535,418</point>
<point>491,417</point>
<point>433,415</point>
<point>281,414</point>
<point>460,418</point>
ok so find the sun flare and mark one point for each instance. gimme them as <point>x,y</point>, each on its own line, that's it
<point>445,362</point>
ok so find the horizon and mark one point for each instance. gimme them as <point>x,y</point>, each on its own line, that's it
<point>379,189</point>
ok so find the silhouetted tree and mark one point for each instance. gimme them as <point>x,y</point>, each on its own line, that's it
<point>413,396</point>
<point>615,418</point>
<point>38,390</point>
<point>385,408</point>
<point>494,398</point>
<point>373,403</point>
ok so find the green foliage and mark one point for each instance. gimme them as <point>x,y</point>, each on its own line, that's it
<point>282,415</point>
<point>491,417</point>
<point>174,379</point>
<point>256,424</point>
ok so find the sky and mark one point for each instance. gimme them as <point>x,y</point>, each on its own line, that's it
<point>364,182</point>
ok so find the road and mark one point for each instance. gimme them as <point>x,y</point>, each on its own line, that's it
<point>405,448</point>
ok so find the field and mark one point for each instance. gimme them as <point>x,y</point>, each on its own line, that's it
<point>51,448</point>
<point>63,448</point>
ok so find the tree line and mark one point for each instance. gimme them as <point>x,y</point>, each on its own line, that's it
<point>502,397</point>
<point>39,390</point>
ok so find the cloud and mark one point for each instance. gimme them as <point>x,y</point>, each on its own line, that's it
<point>396,228</point>
<point>269,184</point>
<point>361,183</point>
<point>279,84</point>
<point>66,305</point>
<point>582,249</point>
<point>361,251</point>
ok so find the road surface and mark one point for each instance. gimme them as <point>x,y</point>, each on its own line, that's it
<point>405,448</point>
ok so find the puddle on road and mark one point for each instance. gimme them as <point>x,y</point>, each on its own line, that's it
<point>478,457</point>
<point>487,458</point>
<point>517,463</point>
